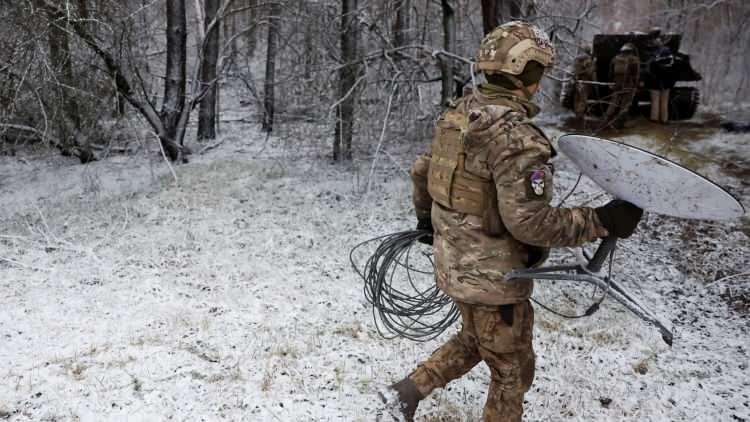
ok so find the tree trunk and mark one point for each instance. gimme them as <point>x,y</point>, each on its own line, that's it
<point>529,13</point>
<point>496,12</point>
<point>175,76</point>
<point>344,131</point>
<point>62,65</point>
<point>173,81</point>
<point>59,51</point>
<point>510,10</point>
<point>248,21</point>
<point>449,45</point>
<point>229,26</point>
<point>268,92</point>
<point>85,15</point>
<point>490,14</point>
<point>401,26</point>
<point>309,45</point>
<point>207,110</point>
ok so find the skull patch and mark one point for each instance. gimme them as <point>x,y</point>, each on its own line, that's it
<point>537,182</point>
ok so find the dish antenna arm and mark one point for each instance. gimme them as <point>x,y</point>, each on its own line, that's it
<point>589,274</point>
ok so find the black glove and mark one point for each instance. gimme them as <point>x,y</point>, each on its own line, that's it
<point>619,217</point>
<point>426,225</point>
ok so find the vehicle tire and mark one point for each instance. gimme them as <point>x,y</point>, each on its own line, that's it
<point>683,102</point>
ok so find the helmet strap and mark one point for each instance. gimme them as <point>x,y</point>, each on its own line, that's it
<point>474,86</point>
<point>472,71</point>
<point>517,82</point>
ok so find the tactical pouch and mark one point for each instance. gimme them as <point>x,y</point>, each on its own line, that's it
<point>448,182</point>
<point>448,144</point>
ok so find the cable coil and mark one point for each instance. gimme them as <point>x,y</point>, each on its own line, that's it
<point>409,311</point>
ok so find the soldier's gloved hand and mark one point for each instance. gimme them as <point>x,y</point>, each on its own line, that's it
<point>619,217</point>
<point>425,224</point>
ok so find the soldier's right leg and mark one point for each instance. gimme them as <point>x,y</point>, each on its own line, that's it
<point>624,103</point>
<point>612,107</point>
<point>506,347</point>
<point>615,101</point>
<point>511,377</point>
<point>655,104</point>
<point>580,102</point>
<point>452,360</point>
<point>664,106</point>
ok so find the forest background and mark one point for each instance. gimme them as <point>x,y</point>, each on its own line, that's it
<point>77,74</point>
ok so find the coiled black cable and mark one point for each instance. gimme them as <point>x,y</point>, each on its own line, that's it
<point>403,309</point>
<point>407,310</point>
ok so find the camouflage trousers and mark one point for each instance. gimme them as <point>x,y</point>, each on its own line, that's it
<point>581,98</point>
<point>622,98</point>
<point>659,105</point>
<point>501,337</point>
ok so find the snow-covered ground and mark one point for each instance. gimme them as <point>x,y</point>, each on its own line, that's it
<point>227,294</point>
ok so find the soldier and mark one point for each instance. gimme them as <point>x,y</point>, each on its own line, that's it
<point>486,188</point>
<point>659,77</point>
<point>583,71</point>
<point>625,71</point>
<point>660,82</point>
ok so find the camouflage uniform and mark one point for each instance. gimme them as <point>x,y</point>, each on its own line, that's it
<point>486,146</point>
<point>486,185</point>
<point>583,70</point>
<point>625,71</point>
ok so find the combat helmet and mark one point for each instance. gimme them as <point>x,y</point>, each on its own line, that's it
<point>628,48</point>
<point>510,46</point>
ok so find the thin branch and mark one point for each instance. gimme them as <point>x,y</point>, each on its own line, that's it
<point>382,136</point>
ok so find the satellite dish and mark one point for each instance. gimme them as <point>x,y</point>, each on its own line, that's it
<point>649,181</point>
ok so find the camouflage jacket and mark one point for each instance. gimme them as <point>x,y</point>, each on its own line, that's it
<point>625,70</point>
<point>583,68</point>
<point>501,145</point>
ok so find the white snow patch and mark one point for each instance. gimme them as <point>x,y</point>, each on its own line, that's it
<point>230,296</point>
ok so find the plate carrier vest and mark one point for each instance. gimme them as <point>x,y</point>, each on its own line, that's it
<point>450,184</point>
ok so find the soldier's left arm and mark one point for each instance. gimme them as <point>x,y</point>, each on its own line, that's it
<point>523,178</point>
<point>420,196</point>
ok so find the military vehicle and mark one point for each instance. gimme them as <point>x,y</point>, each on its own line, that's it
<point>683,100</point>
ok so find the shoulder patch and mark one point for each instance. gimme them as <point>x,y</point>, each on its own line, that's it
<point>536,178</point>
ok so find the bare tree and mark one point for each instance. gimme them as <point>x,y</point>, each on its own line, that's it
<point>65,110</point>
<point>175,72</point>
<point>490,13</point>
<point>244,16</point>
<point>449,44</point>
<point>170,123</point>
<point>495,12</point>
<point>348,73</point>
<point>207,110</point>
<point>62,65</point>
<point>268,91</point>
<point>401,25</point>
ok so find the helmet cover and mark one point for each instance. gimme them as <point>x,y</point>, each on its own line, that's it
<point>510,46</point>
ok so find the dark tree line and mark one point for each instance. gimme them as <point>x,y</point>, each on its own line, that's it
<point>207,112</point>
<point>68,69</point>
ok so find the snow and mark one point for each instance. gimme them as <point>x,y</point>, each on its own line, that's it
<point>228,295</point>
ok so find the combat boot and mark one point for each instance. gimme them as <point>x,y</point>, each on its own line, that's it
<point>401,400</point>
